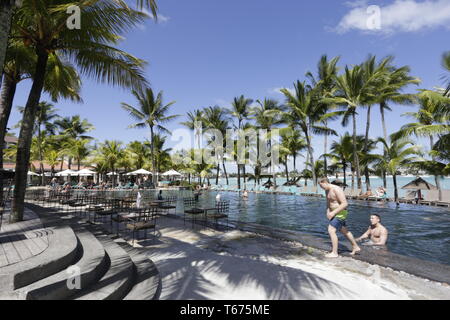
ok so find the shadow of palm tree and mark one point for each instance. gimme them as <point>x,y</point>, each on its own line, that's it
<point>190,272</point>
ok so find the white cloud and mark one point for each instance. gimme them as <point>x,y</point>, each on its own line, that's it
<point>278,90</point>
<point>161,18</point>
<point>400,16</point>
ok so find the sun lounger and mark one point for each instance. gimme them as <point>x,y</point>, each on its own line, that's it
<point>431,197</point>
<point>445,199</point>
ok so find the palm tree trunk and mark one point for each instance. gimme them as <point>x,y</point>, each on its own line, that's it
<point>355,153</point>
<point>436,177</point>
<point>6,102</point>
<point>311,157</point>
<point>325,147</point>
<point>41,157</point>
<point>238,175</point>
<point>383,123</point>
<point>217,174</point>
<point>25,137</point>
<point>6,11</point>
<point>286,168</point>
<point>394,177</point>
<point>366,146</point>
<point>344,167</point>
<point>153,157</point>
<point>225,171</point>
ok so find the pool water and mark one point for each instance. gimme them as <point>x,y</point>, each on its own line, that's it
<point>417,231</point>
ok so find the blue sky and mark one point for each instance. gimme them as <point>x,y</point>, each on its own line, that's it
<point>205,52</point>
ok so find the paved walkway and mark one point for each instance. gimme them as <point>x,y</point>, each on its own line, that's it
<point>22,240</point>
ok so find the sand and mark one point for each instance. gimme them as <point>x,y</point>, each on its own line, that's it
<point>200,263</point>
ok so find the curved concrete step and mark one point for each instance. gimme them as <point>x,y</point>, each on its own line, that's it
<point>61,253</point>
<point>148,280</point>
<point>90,267</point>
<point>118,280</point>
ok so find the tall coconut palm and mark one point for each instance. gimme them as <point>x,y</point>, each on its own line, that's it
<point>6,12</point>
<point>217,118</point>
<point>400,153</point>
<point>44,116</point>
<point>138,152</point>
<point>343,150</point>
<point>194,118</point>
<point>325,83</point>
<point>430,122</point>
<point>151,113</point>
<point>353,91</point>
<point>240,109</point>
<point>303,112</point>
<point>390,90</point>
<point>268,114</point>
<point>79,149</point>
<point>42,24</point>
<point>110,153</point>
<point>62,81</point>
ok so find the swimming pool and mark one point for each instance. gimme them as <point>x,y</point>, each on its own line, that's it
<point>416,231</point>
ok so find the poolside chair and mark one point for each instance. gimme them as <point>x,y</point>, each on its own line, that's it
<point>144,219</point>
<point>355,193</point>
<point>445,199</point>
<point>222,209</point>
<point>170,204</point>
<point>430,198</point>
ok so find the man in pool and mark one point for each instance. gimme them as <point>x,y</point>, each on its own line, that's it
<point>337,215</point>
<point>377,232</point>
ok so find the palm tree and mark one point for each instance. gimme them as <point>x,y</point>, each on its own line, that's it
<point>240,109</point>
<point>138,152</point>
<point>62,81</point>
<point>73,128</point>
<point>430,122</point>
<point>151,113</point>
<point>353,91</point>
<point>446,65</point>
<point>267,114</point>
<point>6,12</point>
<point>110,153</point>
<point>91,48</point>
<point>79,149</point>
<point>343,150</point>
<point>325,84</point>
<point>216,118</point>
<point>390,90</point>
<point>195,117</point>
<point>400,153</point>
<point>303,112</point>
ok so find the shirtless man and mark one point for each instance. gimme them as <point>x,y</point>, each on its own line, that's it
<point>337,215</point>
<point>377,232</point>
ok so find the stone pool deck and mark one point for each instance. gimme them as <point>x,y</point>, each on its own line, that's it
<point>203,263</point>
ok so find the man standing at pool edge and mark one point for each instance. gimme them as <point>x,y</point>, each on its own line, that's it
<point>337,214</point>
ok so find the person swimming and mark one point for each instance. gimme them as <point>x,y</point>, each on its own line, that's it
<point>245,195</point>
<point>377,232</point>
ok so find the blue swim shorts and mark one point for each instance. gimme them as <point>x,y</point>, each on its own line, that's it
<point>338,223</point>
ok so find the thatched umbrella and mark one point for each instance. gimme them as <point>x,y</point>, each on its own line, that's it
<point>419,184</point>
<point>339,183</point>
